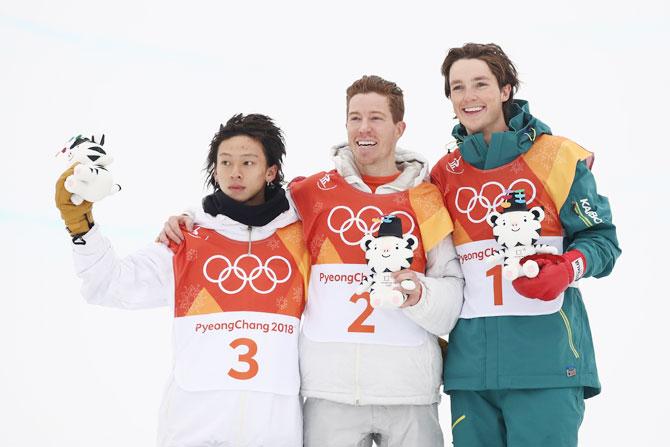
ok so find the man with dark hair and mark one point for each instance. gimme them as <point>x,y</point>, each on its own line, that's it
<point>236,283</point>
<point>521,359</point>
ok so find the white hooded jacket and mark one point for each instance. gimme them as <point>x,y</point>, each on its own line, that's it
<point>364,374</point>
<point>146,279</point>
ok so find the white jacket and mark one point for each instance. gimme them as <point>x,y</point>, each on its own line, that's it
<point>363,374</point>
<point>145,279</point>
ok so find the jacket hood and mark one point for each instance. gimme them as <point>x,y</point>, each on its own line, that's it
<point>413,167</point>
<point>504,147</point>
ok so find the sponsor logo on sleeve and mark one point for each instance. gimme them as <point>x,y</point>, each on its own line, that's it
<point>586,213</point>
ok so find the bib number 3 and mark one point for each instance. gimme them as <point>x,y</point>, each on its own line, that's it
<point>247,357</point>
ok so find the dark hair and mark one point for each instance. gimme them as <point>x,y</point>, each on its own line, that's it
<point>375,84</point>
<point>500,65</point>
<point>259,127</point>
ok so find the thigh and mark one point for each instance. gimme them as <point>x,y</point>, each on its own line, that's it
<point>548,417</point>
<point>477,421</point>
<point>331,424</point>
<point>407,426</point>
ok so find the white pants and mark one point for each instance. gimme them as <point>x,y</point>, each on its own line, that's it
<point>332,424</point>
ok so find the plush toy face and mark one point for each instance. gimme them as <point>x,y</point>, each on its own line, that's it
<point>85,151</point>
<point>389,253</point>
<point>517,228</point>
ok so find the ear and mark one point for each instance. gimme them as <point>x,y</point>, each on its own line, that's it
<point>93,138</point>
<point>491,218</point>
<point>400,127</point>
<point>505,92</point>
<point>365,242</point>
<point>102,140</point>
<point>412,241</point>
<point>271,173</point>
<point>538,212</point>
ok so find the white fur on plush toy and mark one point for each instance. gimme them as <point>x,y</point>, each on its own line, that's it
<point>385,255</point>
<point>518,232</point>
<point>91,180</point>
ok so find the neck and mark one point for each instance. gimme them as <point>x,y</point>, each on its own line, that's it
<point>384,169</point>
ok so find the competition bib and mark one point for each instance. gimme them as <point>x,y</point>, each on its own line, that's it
<point>237,351</point>
<point>340,315</point>
<point>488,294</point>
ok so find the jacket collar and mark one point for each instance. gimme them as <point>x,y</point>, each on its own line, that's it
<point>413,169</point>
<point>504,147</point>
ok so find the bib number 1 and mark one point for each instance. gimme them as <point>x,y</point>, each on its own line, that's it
<point>496,272</point>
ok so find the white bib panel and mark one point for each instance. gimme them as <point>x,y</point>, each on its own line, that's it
<point>253,351</point>
<point>481,299</point>
<point>334,314</point>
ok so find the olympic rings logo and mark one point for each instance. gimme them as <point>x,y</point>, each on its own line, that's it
<point>240,273</point>
<point>479,197</point>
<point>360,223</point>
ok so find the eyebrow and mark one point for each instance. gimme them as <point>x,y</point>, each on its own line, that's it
<point>380,112</point>
<point>478,78</point>
<point>241,155</point>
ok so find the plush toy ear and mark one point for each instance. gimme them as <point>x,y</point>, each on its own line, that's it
<point>365,242</point>
<point>491,218</point>
<point>93,138</point>
<point>538,212</point>
<point>102,140</point>
<point>412,241</point>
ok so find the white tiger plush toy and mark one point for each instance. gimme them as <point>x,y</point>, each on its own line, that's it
<point>91,180</point>
<point>517,230</point>
<point>388,252</point>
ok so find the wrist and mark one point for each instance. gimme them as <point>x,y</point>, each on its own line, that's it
<point>577,261</point>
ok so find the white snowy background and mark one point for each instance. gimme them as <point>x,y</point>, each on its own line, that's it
<point>158,77</point>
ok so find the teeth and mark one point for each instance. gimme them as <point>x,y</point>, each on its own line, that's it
<point>473,109</point>
<point>366,143</point>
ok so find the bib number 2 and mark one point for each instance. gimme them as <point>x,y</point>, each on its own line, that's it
<point>357,325</point>
<point>247,357</point>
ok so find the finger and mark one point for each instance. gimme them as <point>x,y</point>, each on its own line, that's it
<point>172,235</point>
<point>188,223</point>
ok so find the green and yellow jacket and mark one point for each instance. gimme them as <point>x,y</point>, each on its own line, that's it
<point>539,347</point>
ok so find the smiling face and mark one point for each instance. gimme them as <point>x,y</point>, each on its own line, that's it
<point>372,134</point>
<point>242,170</point>
<point>477,98</point>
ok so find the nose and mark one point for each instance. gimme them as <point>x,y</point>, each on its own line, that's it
<point>364,126</point>
<point>236,172</point>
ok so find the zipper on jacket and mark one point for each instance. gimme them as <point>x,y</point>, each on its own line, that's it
<point>249,228</point>
<point>569,330</point>
<point>357,395</point>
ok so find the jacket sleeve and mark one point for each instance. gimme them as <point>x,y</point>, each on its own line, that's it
<point>442,294</point>
<point>587,221</point>
<point>141,280</point>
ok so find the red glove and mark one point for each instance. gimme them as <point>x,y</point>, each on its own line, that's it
<point>557,272</point>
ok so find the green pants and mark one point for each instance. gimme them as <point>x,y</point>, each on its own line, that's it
<point>547,417</point>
